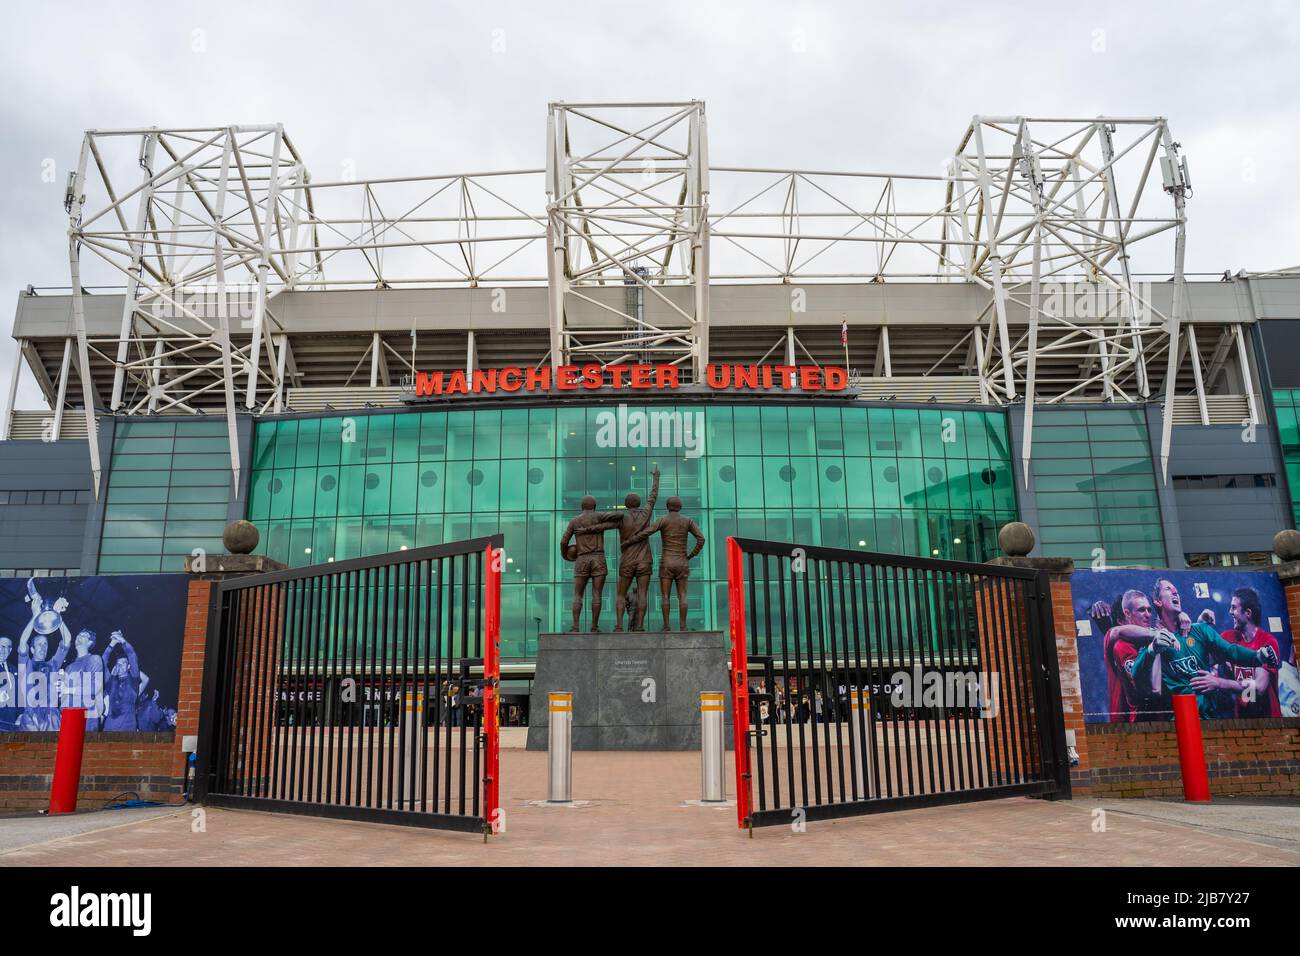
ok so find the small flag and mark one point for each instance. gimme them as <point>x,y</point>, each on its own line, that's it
<point>844,332</point>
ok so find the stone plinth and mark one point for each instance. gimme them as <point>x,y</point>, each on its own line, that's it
<point>631,691</point>
<point>232,564</point>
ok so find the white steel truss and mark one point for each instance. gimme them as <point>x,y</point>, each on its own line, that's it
<point>627,190</point>
<point>206,227</point>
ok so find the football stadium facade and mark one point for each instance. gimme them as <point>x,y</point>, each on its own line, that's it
<point>875,361</point>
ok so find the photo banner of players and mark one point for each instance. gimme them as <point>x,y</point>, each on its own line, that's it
<point>1144,636</point>
<point>109,644</point>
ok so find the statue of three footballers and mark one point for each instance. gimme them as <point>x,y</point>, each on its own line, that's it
<point>587,532</point>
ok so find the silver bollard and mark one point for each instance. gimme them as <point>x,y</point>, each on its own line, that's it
<point>712,748</point>
<point>412,725</point>
<point>860,727</point>
<point>559,747</point>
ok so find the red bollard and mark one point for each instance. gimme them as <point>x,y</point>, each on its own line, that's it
<point>1191,750</point>
<point>67,760</point>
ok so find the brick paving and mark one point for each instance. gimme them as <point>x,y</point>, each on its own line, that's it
<point>637,812</point>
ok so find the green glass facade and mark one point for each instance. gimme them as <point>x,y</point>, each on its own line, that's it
<point>1095,487</point>
<point>930,482</point>
<point>168,494</point>
<point>1286,404</point>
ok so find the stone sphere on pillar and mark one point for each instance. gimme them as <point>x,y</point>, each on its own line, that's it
<point>240,537</point>
<point>1016,539</point>
<point>1286,544</point>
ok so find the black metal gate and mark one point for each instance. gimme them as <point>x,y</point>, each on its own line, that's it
<point>866,682</point>
<point>364,689</point>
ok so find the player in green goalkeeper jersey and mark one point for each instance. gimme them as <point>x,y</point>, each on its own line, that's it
<point>1180,652</point>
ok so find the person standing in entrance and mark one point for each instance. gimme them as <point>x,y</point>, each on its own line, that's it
<point>674,562</point>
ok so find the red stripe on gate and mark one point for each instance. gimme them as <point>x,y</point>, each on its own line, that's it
<point>739,679</point>
<point>491,693</point>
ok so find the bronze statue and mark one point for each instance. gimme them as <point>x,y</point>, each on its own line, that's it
<point>635,561</point>
<point>588,554</point>
<point>674,562</point>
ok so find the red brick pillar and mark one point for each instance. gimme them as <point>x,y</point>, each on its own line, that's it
<point>193,648</point>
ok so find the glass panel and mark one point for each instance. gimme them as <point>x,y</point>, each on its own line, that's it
<point>514,483</point>
<point>514,433</point>
<point>720,435</point>
<point>775,431</point>
<point>803,482</point>
<point>429,496</point>
<point>405,487</point>
<point>460,436</point>
<point>487,434</point>
<point>459,490</point>
<point>777,476</point>
<point>802,431</point>
<point>748,435</point>
<point>406,438</point>
<point>907,432</point>
<point>541,432</point>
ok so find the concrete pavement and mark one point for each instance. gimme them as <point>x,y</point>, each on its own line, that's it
<point>637,811</point>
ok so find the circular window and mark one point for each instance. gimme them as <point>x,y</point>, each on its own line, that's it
<point>276,486</point>
<point>834,473</point>
<point>328,482</point>
<point>429,479</point>
<point>787,473</point>
<point>727,473</point>
<point>935,474</point>
<point>372,481</point>
<point>536,476</point>
<point>891,473</point>
<point>989,476</point>
<point>475,477</point>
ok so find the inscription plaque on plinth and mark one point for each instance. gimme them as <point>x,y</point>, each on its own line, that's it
<point>631,690</point>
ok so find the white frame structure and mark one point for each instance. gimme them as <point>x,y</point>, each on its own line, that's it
<point>627,189</point>
<point>206,227</point>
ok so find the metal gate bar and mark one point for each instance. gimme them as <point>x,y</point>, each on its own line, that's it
<point>864,682</point>
<point>365,689</point>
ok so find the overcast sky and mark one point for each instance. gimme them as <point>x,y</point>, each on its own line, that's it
<point>410,88</point>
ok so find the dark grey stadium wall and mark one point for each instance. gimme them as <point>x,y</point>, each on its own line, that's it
<point>44,535</point>
<point>1228,519</point>
<point>1279,348</point>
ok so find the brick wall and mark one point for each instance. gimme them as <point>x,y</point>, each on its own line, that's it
<point>1244,757</point>
<point>150,765</point>
<point>143,765</point>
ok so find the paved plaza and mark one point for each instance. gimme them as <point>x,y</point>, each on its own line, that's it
<point>635,808</point>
